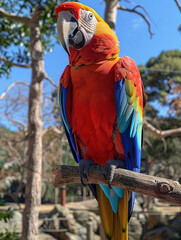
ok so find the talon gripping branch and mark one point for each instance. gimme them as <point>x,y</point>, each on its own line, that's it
<point>101,98</point>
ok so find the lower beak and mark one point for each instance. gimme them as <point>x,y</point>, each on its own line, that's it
<point>66,25</point>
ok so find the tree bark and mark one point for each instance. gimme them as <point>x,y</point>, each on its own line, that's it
<point>111,13</point>
<point>33,186</point>
<point>178,4</point>
<point>161,133</point>
<point>161,188</point>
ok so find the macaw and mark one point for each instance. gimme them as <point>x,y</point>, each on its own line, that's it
<point>101,98</point>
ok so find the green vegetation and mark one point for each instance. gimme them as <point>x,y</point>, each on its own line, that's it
<point>15,37</point>
<point>5,216</point>
<point>162,81</point>
<point>7,235</point>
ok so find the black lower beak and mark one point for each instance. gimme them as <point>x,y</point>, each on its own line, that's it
<point>76,38</point>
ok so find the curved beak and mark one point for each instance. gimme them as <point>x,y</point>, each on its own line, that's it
<point>66,25</point>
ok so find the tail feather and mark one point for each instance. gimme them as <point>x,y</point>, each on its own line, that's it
<point>123,216</point>
<point>115,224</point>
<point>117,228</point>
<point>106,212</point>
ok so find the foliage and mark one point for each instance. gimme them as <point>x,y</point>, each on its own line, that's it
<point>7,235</point>
<point>162,78</point>
<point>167,151</point>
<point>5,216</point>
<point>15,37</point>
<point>162,81</point>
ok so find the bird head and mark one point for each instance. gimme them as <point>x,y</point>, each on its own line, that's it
<point>80,27</point>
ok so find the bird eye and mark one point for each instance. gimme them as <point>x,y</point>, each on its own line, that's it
<point>90,16</point>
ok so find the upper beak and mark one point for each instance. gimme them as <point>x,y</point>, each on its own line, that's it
<point>66,25</point>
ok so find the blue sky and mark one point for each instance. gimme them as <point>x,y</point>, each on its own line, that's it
<point>132,33</point>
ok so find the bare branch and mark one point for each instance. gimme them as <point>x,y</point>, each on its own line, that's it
<point>23,126</point>
<point>15,64</point>
<point>50,80</point>
<point>14,17</point>
<point>11,86</point>
<point>140,14</point>
<point>178,4</point>
<point>161,133</point>
<point>164,144</point>
<point>54,129</point>
<point>12,196</point>
<point>161,188</point>
<point>13,151</point>
<point>140,6</point>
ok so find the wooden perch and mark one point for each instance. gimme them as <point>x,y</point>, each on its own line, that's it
<point>161,188</point>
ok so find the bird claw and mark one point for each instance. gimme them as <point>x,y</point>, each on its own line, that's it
<point>84,168</point>
<point>109,169</point>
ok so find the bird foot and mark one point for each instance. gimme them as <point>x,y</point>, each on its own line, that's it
<point>109,168</point>
<point>84,165</point>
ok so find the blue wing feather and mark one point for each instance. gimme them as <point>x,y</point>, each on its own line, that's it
<point>129,125</point>
<point>62,103</point>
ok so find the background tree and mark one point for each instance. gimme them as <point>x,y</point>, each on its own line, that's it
<point>29,25</point>
<point>162,80</point>
<point>112,6</point>
<point>162,76</point>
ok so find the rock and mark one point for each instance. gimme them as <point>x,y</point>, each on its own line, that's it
<point>97,237</point>
<point>142,218</point>
<point>74,224</point>
<point>139,203</point>
<point>175,225</point>
<point>83,216</point>
<point>171,171</point>
<point>70,236</point>
<point>137,207</point>
<point>54,223</point>
<point>135,227</point>
<point>43,236</point>
<point>69,222</point>
<point>152,222</point>
<point>160,233</point>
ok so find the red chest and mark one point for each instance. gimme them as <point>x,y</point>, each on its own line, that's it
<point>94,113</point>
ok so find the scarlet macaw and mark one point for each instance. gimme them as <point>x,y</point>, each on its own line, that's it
<point>101,98</point>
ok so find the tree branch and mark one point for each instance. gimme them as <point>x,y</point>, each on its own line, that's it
<point>14,17</point>
<point>50,80</point>
<point>140,14</point>
<point>12,150</point>
<point>178,4</point>
<point>15,122</point>
<point>54,129</point>
<point>15,64</point>
<point>37,13</point>
<point>161,188</point>
<point>11,86</point>
<point>161,133</point>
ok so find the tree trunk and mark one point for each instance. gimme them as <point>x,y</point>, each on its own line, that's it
<point>34,166</point>
<point>111,12</point>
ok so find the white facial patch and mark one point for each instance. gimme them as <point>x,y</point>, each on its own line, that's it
<point>87,24</point>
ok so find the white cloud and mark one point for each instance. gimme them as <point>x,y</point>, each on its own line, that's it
<point>137,22</point>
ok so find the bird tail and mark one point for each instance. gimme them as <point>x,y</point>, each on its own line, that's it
<point>115,224</point>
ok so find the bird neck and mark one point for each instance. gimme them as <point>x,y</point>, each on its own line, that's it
<point>102,47</point>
